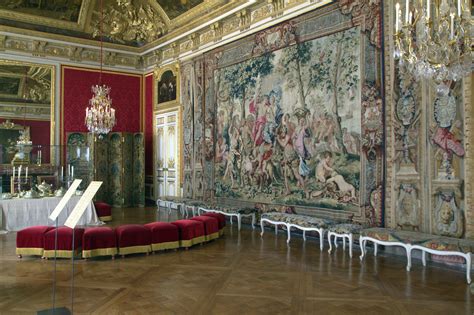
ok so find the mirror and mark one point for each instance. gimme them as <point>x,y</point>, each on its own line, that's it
<point>26,112</point>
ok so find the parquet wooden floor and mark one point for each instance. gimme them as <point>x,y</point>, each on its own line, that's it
<point>240,273</point>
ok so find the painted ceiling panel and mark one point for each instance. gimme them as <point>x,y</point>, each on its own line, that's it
<point>132,23</point>
<point>174,8</point>
<point>66,10</point>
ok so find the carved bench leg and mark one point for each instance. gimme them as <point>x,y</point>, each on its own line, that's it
<point>362,247</point>
<point>408,249</point>
<point>350,245</point>
<point>288,229</point>
<point>468,268</point>
<point>321,239</point>
<point>329,241</point>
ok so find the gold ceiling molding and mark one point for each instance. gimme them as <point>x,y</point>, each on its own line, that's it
<point>133,57</point>
<point>134,22</point>
<point>235,23</point>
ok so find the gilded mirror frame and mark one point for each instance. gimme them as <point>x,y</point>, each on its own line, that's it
<point>52,103</point>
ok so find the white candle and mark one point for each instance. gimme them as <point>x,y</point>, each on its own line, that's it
<point>19,172</point>
<point>452,25</point>
<point>13,177</point>
<point>62,172</point>
<point>411,17</point>
<point>26,174</point>
<point>428,9</point>
<point>407,14</point>
<point>72,171</point>
<point>397,11</point>
<point>459,8</point>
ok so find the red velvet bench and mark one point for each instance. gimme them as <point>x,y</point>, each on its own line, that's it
<point>104,210</point>
<point>163,235</point>
<point>99,241</point>
<point>30,241</point>
<point>191,232</point>
<point>220,219</point>
<point>133,239</point>
<point>211,227</point>
<point>64,242</point>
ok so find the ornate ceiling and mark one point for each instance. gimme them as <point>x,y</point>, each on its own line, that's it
<point>138,34</point>
<point>133,23</point>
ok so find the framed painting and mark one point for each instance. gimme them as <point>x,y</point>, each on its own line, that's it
<point>167,87</point>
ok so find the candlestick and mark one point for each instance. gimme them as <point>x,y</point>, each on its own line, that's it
<point>407,8</point>
<point>452,26</point>
<point>397,11</point>
<point>428,7</point>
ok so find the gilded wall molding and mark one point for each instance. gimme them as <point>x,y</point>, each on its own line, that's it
<point>62,48</point>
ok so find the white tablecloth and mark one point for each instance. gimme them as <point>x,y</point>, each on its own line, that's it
<point>18,214</point>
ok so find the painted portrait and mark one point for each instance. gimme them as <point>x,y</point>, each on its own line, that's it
<point>167,87</point>
<point>288,125</point>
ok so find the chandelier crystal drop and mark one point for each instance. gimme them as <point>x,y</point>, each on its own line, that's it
<point>432,39</point>
<point>100,116</point>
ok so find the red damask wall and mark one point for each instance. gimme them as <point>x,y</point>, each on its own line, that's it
<point>126,94</point>
<point>149,124</point>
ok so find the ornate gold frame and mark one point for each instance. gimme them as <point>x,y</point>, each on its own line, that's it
<point>43,20</point>
<point>52,99</point>
<point>157,73</point>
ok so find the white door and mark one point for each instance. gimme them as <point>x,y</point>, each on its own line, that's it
<point>167,155</point>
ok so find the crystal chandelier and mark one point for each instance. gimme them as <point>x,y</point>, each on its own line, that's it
<point>433,40</point>
<point>100,116</point>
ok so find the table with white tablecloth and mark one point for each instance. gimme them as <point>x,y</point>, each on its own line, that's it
<point>18,214</point>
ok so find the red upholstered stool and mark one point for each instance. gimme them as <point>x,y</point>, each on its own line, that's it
<point>211,227</point>
<point>30,241</point>
<point>99,241</point>
<point>191,232</point>
<point>133,239</point>
<point>104,211</point>
<point>64,243</point>
<point>163,235</point>
<point>220,219</point>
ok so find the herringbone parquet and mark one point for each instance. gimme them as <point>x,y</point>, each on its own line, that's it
<point>240,273</point>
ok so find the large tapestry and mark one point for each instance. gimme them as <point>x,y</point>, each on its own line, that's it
<point>289,124</point>
<point>293,116</point>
